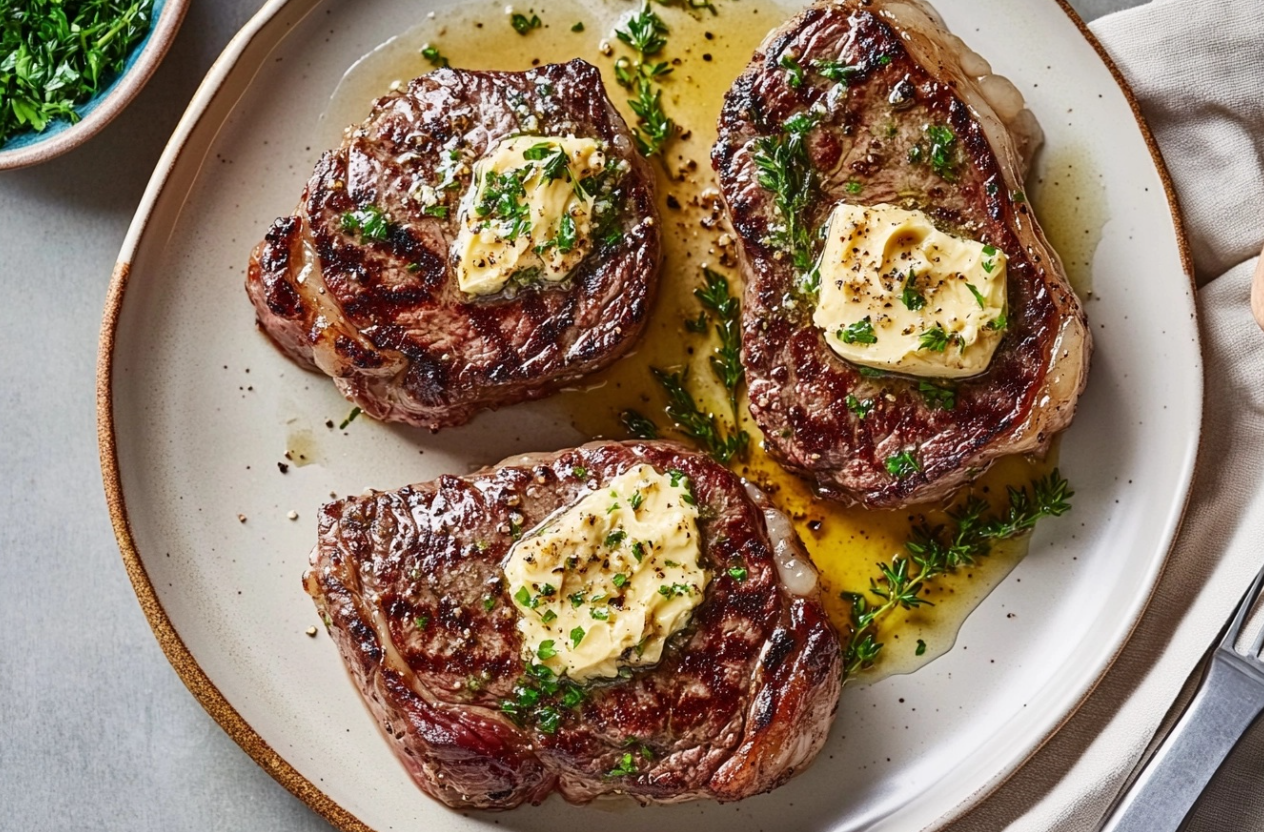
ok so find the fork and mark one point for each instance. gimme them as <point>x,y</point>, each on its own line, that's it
<point>1229,699</point>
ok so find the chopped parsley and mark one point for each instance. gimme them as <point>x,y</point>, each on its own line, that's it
<point>577,635</point>
<point>523,24</point>
<point>921,648</point>
<point>675,590</point>
<point>837,71</point>
<point>434,56</point>
<point>902,464</point>
<point>978,296</point>
<point>855,186</point>
<point>738,573</point>
<point>940,397</point>
<point>422,622</point>
<point>351,417</point>
<point>625,767</point>
<point>619,580</point>
<point>369,222</point>
<point>548,617</point>
<point>578,27</point>
<point>935,340</point>
<point>636,500</point>
<point>912,297</point>
<point>861,332</point>
<point>638,551</point>
<point>579,472</point>
<point>794,71</point>
<point>615,538</point>
<point>861,407</point>
<point>599,614</point>
<point>546,650</point>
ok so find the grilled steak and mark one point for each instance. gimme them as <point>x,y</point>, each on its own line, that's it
<point>411,586</point>
<point>873,75</point>
<point>360,282</point>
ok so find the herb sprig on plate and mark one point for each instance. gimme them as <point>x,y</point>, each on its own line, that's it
<point>646,34</point>
<point>55,56</point>
<point>940,550</point>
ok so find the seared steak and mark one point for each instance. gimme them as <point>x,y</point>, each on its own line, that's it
<point>875,77</point>
<point>360,281</point>
<point>411,586</point>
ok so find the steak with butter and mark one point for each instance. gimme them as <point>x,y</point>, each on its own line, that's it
<point>905,320</point>
<point>622,618</point>
<point>481,239</point>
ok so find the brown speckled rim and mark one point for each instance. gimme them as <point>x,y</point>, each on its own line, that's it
<point>135,78</point>
<point>198,683</point>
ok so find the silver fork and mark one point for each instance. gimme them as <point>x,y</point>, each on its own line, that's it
<point>1229,699</point>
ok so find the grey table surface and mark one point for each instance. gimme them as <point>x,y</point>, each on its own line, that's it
<point>96,730</point>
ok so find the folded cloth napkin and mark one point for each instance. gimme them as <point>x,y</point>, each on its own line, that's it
<point>1197,68</point>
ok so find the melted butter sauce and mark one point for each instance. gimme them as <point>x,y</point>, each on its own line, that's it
<point>706,53</point>
<point>1067,192</point>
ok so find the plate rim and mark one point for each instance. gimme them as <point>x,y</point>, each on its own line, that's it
<point>182,660</point>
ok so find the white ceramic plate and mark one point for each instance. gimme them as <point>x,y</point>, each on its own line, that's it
<point>196,409</point>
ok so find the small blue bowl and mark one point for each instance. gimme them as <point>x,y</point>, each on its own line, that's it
<point>31,148</point>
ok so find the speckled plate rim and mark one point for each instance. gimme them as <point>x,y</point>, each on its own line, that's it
<point>173,646</point>
<point>106,108</point>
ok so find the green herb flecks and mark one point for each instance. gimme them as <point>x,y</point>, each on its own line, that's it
<point>434,57</point>
<point>921,648</point>
<point>784,169</point>
<point>938,149</point>
<point>794,70</point>
<point>351,417</point>
<point>523,24</point>
<point>901,465</point>
<point>542,698</point>
<point>912,297</point>
<point>721,442</point>
<point>837,71</point>
<point>942,396</point>
<point>625,767</point>
<point>861,407</point>
<point>940,550</point>
<point>934,339</point>
<point>55,55</point>
<point>369,222</point>
<point>860,332</point>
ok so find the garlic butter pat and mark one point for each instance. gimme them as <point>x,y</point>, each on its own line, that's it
<point>898,294</point>
<point>528,213</point>
<point>601,585</point>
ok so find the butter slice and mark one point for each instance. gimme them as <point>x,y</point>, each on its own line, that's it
<point>492,247</point>
<point>871,255</point>
<point>621,565</point>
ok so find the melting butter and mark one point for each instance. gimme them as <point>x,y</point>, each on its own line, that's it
<point>604,583</point>
<point>527,214</point>
<point>896,293</point>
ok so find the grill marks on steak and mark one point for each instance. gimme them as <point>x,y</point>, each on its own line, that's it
<point>743,697</point>
<point>384,317</point>
<point>910,72</point>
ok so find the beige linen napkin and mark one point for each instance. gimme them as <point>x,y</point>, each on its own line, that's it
<point>1197,68</point>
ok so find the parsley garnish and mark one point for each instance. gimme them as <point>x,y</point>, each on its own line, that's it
<point>978,296</point>
<point>836,71</point>
<point>619,580</point>
<point>369,222</point>
<point>435,57</point>
<point>912,297</point>
<point>676,590</point>
<point>861,332</point>
<point>935,340</point>
<point>546,650</point>
<point>638,551</point>
<point>636,500</point>
<point>902,465</point>
<point>921,648</point>
<point>625,767</point>
<point>523,24</point>
<point>577,635</point>
<point>615,538</point>
<point>351,417</point>
<point>860,407</point>
<point>548,616</point>
<point>936,396</point>
<point>855,186</point>
<point>737,573</point>
<point>794,71</point>
<point>422,622</point>
<point>579,472</point>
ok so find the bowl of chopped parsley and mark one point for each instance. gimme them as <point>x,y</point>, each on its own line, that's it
<point>68,67</point>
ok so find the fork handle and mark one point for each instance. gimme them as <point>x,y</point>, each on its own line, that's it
<point>1229,700</point>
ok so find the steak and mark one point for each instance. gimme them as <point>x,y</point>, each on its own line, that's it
<point>873,75</point>
<point>374,302</point>
<point>411,587</point>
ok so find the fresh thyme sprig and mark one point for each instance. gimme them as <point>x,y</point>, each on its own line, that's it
<point>721,442</point>
<point>646,35</point>
<point>784,169</point>
<point>726,363</point>
<point>940,550</point>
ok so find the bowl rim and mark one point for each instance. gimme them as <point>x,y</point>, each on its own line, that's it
<point>113,102</point>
